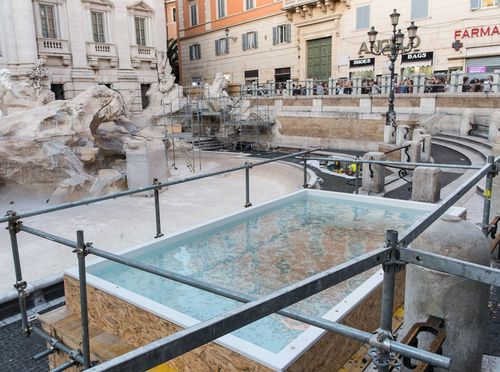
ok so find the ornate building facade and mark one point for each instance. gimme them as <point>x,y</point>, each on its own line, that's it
<point>269,40</point>
<point>85,42</point>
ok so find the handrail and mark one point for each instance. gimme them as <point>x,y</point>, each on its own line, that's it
<point>120,194</point>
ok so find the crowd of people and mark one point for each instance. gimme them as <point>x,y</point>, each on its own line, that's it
<point>436,84</point>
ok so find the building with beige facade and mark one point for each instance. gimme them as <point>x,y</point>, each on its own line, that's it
<point>85,42</point>
<point>301,39</point>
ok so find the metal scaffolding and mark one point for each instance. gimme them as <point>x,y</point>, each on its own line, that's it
<point>392,256</point>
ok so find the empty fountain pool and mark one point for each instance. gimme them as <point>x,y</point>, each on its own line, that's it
<point>256,252</point>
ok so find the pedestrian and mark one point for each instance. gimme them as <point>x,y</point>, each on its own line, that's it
<point>488,84</point>
<point>465,85</point>
<point>319,89</point>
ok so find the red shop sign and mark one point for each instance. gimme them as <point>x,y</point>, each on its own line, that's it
<point>471,32</point>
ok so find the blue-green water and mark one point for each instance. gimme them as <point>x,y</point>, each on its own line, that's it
<point>263,254</point>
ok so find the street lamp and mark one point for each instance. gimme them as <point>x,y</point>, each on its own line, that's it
<point>392,50</point>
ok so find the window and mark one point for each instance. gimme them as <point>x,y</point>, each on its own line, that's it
<point>249,40</point>
<point>194,52</point>
<point>174,15</point>
<point>362,17</point>
<point>221,47</point>
<point>140,31</point>
<point>221,8</point>
<point>98,27</point>
<point>282,34</point>
<point>251,76</point>
<point>58,90</point>
<point>419,9</point>
<point>484,4</point>
<point>144,95</point>
<point>47,21</point>
<point>249,4</point>
<point>193,12</point>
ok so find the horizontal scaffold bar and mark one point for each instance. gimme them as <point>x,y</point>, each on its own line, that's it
<point>148,188</point>
<point>389,163</point>
<point>484,274</point>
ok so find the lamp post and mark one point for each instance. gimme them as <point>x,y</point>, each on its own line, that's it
<point>392,50</point>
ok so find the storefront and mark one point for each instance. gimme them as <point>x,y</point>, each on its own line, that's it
<point>482,67</point>
<point>362,67</point>
<point>417,63</point>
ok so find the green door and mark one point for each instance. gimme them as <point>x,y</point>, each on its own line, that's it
<point>319,58</point>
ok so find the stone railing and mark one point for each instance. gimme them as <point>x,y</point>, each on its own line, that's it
<point>143,52</point>
<point>52,46</point>
<point>101,50</point>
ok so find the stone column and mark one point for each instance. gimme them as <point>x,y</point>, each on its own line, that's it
<point>426,184</point>
<point>24,33</point>
<point>412,151</point>
<point>389,135</point>
<point>374,179</point>
<point>493,127</point>
<point>426,147</point>
<point>465,122</point>
<point>402,134</point>
<point>462,303</point>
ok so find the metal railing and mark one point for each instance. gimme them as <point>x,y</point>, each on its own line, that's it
<point>393,255</point>
<point>456,82</point>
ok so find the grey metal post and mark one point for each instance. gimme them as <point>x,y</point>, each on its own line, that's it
<point>356,174</point>
<point>247,185</point>
<point>81,252</point>
<point>384,334</point>
<point>487,196</point>
<point>305,185</point>
<point>20,284</point>
<point>156,193</point>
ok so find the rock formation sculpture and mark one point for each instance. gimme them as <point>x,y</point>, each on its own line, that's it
<point>55,144</point>
<point>165,97</point>
<point>216,93</point>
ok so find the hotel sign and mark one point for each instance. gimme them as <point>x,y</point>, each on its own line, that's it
<point>380,44</point>
<point>415,57</point>
<point>361,62</point>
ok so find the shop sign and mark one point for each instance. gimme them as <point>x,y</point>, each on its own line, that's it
<point>361,62</point>
<point>381,44</point>
<point>472,32</point>
<point>476,69</point>
<point>415,57</point>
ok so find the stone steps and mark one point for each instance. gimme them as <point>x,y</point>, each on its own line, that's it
<point>476,152</point>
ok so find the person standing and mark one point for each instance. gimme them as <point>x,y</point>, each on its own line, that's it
<point>488,84</point>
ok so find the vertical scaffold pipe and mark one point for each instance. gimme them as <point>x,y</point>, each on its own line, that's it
<point>20,284</point>
<point>156,194</point>
<point>356,174</point>
<point>305,185</point>
<point>81,252</point>
<point>385,331</point>
<point>247,185</point>
<point>487,196</point>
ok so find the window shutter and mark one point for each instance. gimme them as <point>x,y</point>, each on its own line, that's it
<point>191,52</point>
<point>275,35</point>
<point>226,42</point>
<point>419,9</point>
<point>198,51</point>
<point>217,47</point>
<point>244,41</point>
<point>363,17</point>
<point>288,33</point>
<point>475,4</point>
<point>256,39</point>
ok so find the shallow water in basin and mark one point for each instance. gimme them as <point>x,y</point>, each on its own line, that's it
<point>265,253</point>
